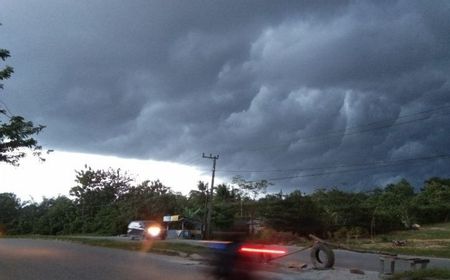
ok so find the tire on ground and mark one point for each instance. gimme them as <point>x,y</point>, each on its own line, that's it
<point>322,256</point>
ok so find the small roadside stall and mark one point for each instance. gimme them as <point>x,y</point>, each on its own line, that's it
<point>179,227</point>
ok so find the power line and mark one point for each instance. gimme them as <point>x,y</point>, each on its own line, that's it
<point>388,126</point>
<point>195,160</point>
<point>364,164</point>
<point>190,160</point>
<point>353,130</point>
<point>364,128</point>
<point>349,170</point>
<point>419,116</point>
<point>399,117</point>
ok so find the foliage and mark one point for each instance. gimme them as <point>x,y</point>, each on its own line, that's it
<point>196,203</point>
<point>340,209</point>
<point>95,191</point>
<point>7,71</point>
<point>56,216</point>
<point>430,273</point>
<point>271,236</point>
<point>397,200</point>
<point>155,246</point>
<point>226,207</point>
<point>248,192</point>
<point>294,212</point>
<point>28,218</point>
<point>224,215</point>
<point>432,204</point>
<point>105,201</point>
<point>150,200</point>
<point>430,240</point>
<point>9,209</point>
<point>347,233</point>
<point>251,189</point>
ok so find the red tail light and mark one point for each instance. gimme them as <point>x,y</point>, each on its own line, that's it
<point>261,250</point>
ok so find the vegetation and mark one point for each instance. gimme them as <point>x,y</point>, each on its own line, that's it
<point>153,246</point>
<point>104,201</point>
<point>431,240</point>
<point>432,273</point>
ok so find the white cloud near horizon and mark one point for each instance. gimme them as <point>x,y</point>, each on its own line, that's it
<point>34,180</point>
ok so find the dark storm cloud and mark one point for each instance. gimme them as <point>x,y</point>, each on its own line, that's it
<point>268,85</point>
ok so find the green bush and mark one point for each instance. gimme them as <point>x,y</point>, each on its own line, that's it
<point>269,235</point>
<point>432,273</point>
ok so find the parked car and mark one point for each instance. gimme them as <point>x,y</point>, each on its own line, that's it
<point>146,230</point>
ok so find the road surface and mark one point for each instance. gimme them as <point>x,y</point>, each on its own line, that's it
<point>37,259</point>
<point>27,259</point>
<point>344,259</point>
<point>366,262</point>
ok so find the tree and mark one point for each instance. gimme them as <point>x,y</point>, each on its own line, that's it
<point>373,203</point>
<point>397,198</point>
<point>432,204</point>
<point>294,212</point>
<point>97,194</point>
<point>9,211</point>
<point>341,209</point>
<point>152,200</point>
<point>16,133</point>
<point>197,203</point>
<point>226,206</point>
<point>30,213</point>
<point>248,192</point>
<point>7,71</point>
<point>56,216</point>
<point>390,208</point>
<point>224,194</point>
<point>251,189</point>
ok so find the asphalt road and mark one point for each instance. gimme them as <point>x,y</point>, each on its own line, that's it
<point>36,259</point>
<point>26,259</point>
<point>343,259</point>
<point>367,262</point>
<point>347,259</point>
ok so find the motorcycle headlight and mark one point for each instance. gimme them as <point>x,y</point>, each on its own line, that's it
<point>154,231</point>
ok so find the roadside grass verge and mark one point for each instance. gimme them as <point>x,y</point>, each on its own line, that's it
<point>151,246</point>
<point>147,246</point>
<point>432,273</point>
<point>430,240</point>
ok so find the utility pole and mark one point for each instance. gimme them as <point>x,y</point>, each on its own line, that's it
<point>210,196</point>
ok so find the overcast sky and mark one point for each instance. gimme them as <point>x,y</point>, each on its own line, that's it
<point>353,94</point>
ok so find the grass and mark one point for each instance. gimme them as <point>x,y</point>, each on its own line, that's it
<point>431,241</point>
<point>433,273</point>
<point>153,246</point>
<point>149,246</point>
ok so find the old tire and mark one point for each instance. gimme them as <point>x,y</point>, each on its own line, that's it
<point>322,256</point>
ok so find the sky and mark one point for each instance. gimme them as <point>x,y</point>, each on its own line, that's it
<point>305,94</point>
<point>33,180</point>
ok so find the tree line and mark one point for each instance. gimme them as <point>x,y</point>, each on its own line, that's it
<point>105,201</point>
